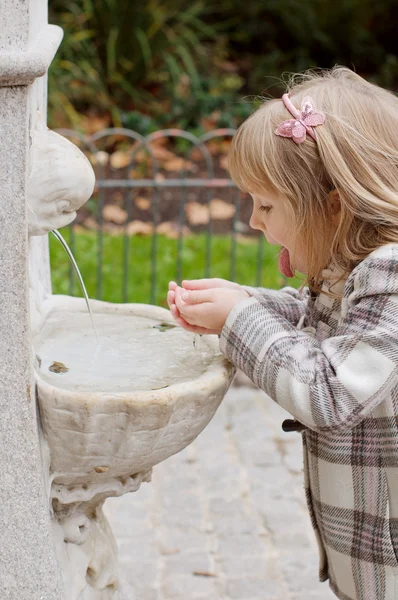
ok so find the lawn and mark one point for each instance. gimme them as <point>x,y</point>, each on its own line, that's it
<point>134,270</point>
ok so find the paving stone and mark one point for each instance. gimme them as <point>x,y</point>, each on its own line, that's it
<point>241,545</point>
<point>250,566</point>
<point>243,588</point>
<point>185,587</point>
<point>231,506</point>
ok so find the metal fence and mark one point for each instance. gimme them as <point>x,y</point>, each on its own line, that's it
<point>144,172</point>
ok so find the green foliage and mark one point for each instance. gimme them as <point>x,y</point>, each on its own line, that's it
<point>163,63</point>
<point>140,268</point>
<point>120,55</point>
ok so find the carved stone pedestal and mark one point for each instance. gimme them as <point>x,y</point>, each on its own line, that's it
<point>85,543</point>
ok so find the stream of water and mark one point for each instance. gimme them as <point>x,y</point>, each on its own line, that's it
<point>68,251</point>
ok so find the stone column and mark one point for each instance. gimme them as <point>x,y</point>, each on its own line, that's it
<point>28,565</point>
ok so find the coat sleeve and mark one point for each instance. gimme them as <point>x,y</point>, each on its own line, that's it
<point>288,302</point>
<point>339,381</point>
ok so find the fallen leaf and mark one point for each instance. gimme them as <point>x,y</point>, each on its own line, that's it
<point>142,203</point>
<point>139,228</point>
<point>115,214</point>
<point>161,153</point>
<point>214,147</point>
<point>171,229</point>
<point>169,551</point>
<point>141,155</point>
<point>197,214</point>
<point>177,164</point>
<point>101,158</point>
<point>220,210</point>
<point>196,154</point>
<point>58,367</point>
<point>90,223</point>
<point>120,159</point>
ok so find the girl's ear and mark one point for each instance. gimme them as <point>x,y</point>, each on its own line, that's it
<point>335,205</point>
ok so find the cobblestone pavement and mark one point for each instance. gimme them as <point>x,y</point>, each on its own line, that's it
<point>226,518</point>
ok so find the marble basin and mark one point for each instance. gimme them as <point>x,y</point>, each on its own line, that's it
<point>111,409</point>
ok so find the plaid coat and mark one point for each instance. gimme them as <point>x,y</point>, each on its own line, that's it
<point>333,364</point>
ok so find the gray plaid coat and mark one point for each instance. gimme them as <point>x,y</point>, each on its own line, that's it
<point>334,366</point>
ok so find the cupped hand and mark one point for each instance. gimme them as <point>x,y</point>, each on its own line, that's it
<point>209,283</point>
<point>193,285</point>
<point>204,310</point>
<point>171,301</point>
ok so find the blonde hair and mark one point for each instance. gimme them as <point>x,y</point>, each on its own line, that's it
<point>355,153</point>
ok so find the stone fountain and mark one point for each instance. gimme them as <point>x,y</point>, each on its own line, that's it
<point>82,418</point>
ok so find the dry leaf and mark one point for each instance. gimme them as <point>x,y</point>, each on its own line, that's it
<point>197,214</point>
<point>58,367</point>
<point>213,147</point>
<point>161,153</point>
<point>169,551</point>
<point>171,229</point>
<point>142,203</point>
<point>90,223</point>
<point>197,154</point>
<point>101,158</point>
<point>159,177</point>
<point>139,228</point>
<point>220,210</point>
<point>120,159</point>
<point>101,469</point>
<point>177,164</point>
<point>115,214</point>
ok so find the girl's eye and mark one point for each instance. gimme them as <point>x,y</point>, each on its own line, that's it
<point>265,208</point>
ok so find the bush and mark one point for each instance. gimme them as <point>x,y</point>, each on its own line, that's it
<point>164,63</point>
<point>121,56</point>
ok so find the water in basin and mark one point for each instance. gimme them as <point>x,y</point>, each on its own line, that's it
<point>133,353</point>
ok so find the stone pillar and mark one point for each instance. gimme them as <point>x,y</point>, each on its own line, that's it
<point>28,565</point>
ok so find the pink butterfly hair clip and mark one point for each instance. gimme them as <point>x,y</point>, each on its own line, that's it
<point>303,122</point>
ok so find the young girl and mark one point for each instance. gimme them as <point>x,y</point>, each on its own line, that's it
<point>321,165</point>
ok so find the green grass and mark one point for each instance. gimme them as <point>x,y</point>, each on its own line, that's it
<point>140,267</point>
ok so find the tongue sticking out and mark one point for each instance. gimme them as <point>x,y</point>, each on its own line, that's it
<point>284,263</point>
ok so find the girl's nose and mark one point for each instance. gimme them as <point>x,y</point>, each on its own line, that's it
<point>254,222</point>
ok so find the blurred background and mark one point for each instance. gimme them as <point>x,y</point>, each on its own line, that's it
<point>152,92</point>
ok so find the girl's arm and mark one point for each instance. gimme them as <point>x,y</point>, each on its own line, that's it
<point>290,303</point>
<point>331,384</point>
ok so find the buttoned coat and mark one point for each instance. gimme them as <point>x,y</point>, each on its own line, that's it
<point>333,364</point>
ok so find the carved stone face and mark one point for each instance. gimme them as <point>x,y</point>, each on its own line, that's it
<point>61,180</point>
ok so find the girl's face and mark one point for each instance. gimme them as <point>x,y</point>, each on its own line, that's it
<point>272,216</point>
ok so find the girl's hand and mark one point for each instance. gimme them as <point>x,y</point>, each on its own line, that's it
<point>205,284</point>
<point>197,284</point>
<point>171,301</point>
<point>205,310</point>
